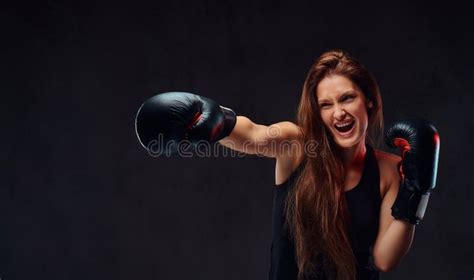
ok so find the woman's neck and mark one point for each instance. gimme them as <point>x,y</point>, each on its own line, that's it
<point>353,157</point>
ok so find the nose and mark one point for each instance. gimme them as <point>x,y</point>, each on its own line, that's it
<point>339,113</point>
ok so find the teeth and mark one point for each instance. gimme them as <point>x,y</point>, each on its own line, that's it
<point>343,124</point>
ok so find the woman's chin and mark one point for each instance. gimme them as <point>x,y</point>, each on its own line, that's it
<point>345,143</point>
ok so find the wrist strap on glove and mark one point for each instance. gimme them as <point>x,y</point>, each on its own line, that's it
<point>410,205</point>
<point>230,119</point>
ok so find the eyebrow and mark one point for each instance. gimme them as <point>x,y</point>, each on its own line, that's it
<point>351,91</point>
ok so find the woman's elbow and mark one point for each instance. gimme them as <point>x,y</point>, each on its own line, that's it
<point>385,266</point>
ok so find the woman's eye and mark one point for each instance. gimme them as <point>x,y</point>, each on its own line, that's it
<point>324,105</point>
<point>347,97</point>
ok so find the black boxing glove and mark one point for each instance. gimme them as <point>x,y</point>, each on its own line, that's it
<point>419,142</point>
<point>168,118</point>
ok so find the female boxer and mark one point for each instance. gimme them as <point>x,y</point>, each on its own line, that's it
<point>342,209</point>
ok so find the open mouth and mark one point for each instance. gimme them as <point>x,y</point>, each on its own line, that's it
<point>345,127</point>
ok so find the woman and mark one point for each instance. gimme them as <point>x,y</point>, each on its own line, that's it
<point>340,109</point>
<point>332,207</point>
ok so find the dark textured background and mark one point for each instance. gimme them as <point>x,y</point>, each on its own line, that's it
<point>79,197</point>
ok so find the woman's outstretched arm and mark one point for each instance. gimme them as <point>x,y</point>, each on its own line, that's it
<point>276,140</point>
<point>166,121</point>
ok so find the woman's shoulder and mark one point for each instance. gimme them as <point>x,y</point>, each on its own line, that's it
<point>389,169</point>
<point>387,158</point>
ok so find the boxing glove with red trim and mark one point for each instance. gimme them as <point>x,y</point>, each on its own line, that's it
<point>419,143</point>
<point>166,119</point>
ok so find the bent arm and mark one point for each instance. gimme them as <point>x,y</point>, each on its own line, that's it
<point>256,139</point>
<point>395,236</point>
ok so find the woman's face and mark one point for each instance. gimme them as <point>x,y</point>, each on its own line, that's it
<point>343,110</point>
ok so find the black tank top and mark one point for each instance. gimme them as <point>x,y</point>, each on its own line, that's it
<point>364,203</point>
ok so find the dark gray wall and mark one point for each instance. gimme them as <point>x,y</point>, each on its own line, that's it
<point>80,199</point>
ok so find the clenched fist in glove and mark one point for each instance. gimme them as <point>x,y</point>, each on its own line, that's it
<point>168,118</point>
<point>419,142</point>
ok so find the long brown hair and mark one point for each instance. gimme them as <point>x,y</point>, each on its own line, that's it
<point>316,210</point>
